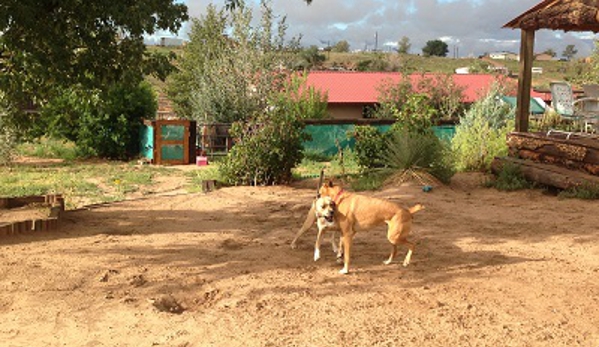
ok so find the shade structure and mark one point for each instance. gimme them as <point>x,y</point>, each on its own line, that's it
<point>567,15</point>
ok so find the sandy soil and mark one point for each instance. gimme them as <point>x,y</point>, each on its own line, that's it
<point>216,269</point>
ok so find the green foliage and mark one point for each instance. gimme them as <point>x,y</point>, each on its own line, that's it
<point>510,178</point>
<point>481,134</point>
<point>404,45</point>
<point>7,132</point>
<point>586,191</point>
<point>101,123</point>
<point>376,61</point>
<point>341,46</point>
<point>49,148</point>
<point>91,43</point>
<point>309,58</point>
<point>267,147</point>
<point>435,48</point>
<point>303,101</point>
<point>370,146</point>
<point>408,149</point>
<point>415,114</point>
<point>435,96</point>
<point>80,183</point>
<point>569,52</point>
<point>222,78</point>
<point>112,130</point>
<point>370,181</point>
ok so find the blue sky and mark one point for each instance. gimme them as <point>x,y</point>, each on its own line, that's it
<point>469,27</point>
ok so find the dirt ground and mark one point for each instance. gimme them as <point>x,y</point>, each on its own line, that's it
<point>490,269</point>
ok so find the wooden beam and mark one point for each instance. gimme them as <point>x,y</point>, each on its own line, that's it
<point>527,42</point>
<point>550,175</point>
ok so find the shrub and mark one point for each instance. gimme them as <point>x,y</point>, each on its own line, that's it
<point>112,130</point>
<point>370,146</point>
<point>481,134</point>
<point>266,148</point>
<point>586,191</point>
<point>510,178</point>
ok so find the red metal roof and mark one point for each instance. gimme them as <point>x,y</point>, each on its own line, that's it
<point>363,87</point>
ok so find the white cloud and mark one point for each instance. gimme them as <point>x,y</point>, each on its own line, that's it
<point>473,25</point>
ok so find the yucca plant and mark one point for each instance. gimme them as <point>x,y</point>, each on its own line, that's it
<point>418,155</point>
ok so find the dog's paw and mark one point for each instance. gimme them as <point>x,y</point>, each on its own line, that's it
<point>293,245</point>
<point>387,262</point>
<point>406,263</point>
<point>316,255</point>
<point>344,271</point>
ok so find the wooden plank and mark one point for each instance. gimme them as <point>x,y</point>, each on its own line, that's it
<point>546,174</point>
<point>527,41</point>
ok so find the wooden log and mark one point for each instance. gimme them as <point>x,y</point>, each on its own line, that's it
<point>541,157</point>
<point>550,175</point>
<point>579,149</point>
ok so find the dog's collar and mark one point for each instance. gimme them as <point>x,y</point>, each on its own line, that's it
<point>338,196</point>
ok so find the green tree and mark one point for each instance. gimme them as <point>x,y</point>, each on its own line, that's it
<point>569,52</point>
<point>404,45</point>
<point>48,44</point>
<point>341,47</point>
<point>550,52</point>
<point>309,58</point>
<point>233,4</point>
<point>435,48</point>
<point>222,78</point>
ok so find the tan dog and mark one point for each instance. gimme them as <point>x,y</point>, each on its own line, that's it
<point>322,213</point>
<point>358,212</point>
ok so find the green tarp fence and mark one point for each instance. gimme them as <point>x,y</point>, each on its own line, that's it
<point>325,137</point>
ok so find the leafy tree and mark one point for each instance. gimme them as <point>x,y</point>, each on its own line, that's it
<point>48,44</point>
<point>435,48</point>
<point>233,4</point>
<point>341,47</point>
<point>222,77</point>
<point>309,58</point>
<point>404,45</point>
<point>569,52</point>
<point>550,52</point>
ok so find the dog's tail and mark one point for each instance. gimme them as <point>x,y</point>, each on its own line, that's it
<point>416,208</point>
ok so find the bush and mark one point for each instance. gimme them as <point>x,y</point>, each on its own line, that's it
<point>370,146</point>
<point>510,178</point>
<point>7,133</point>
<point>266,148</point>
<point>481,134</point>
<point>586,191</point>
<point>112,130</point>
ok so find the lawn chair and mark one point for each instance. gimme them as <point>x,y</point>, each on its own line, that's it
<point>583,112</point>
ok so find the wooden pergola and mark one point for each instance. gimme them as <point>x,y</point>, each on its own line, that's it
<point>567,15</point>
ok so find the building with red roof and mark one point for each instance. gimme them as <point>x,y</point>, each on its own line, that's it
<point>350,94</point>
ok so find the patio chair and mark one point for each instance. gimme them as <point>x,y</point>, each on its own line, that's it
<point>583,112</point>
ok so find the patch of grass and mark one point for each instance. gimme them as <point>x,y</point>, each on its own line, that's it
<point>510,178</point>
<point>369,181</point>
<point>49,148</point>
<point>337,166</point>
<point>80,183</point>
<point>586,191</point>
<point>196,177</point>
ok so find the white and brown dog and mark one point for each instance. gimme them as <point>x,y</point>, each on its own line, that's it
<point>322,213</point>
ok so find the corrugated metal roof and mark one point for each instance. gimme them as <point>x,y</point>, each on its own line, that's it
<point>363,87</point>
